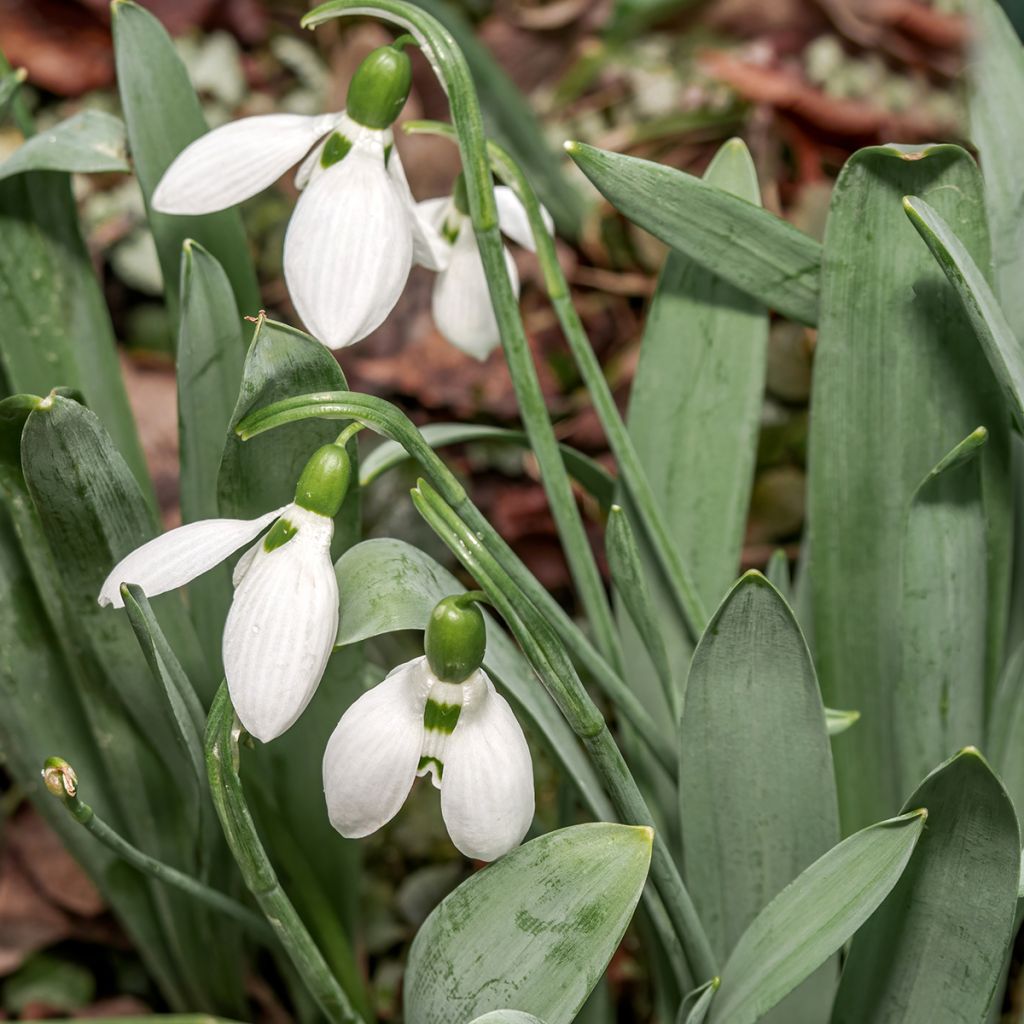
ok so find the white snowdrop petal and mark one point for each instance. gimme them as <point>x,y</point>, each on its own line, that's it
<point>514,222</point>
<point>487,787</point>
<point>236,161</point>
<point>172,559</point>
<point>429,249</point>
<point>372,756</point>
<point>348,249</point>
<point>281,627</point>
<point>243,564</point>
<point>461,302</point>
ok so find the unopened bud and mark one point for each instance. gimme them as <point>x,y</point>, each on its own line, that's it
<point>59,777</point>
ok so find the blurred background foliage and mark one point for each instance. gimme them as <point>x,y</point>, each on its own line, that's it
<point>804,82</point>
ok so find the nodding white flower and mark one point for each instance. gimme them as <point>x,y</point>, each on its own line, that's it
<point>461,302</point>
<point>283,619</point>
<point>463,734</point>
<point>352,237</point>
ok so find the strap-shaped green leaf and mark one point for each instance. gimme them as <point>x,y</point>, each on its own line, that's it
<point>756,785</point>
<point>939,703</point>
<point>163,116</point>
<point>88,142</point>
<point>386,585</point>
<point>535,930</point>
<point>694,415</point>
<point>209,372</point>
<point>757,252</point>
<point>1006,729</point>
<point>812,917</point>
<point>507,1017</point>
<point>897,381</point>
<point>935,948</point>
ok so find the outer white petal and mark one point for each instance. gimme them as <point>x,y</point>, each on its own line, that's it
<point>236,161</point>
<point>429,249</point>
<point>281,627</point>
<point>512,218</point>
<point>348,249</point>
<point>487,786</point>
<point>461,303</point>
<point>372,756</point>
<point>172,559</point>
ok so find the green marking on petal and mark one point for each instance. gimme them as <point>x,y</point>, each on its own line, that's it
<point>427,761</point>
<point>441,717</point>
<point>387,152</point>
<point>450,231</point>
<point>335,149</point>
<point>280,533</point>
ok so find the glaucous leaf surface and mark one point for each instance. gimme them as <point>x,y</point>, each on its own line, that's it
<point>756,785</point>
<point>812,917</point>
<point>755,251</point>
<point>1006,729</point>
<point>163,116</point>
<point>88,142</point>
<point>694,413</point>
<point>897,382</point>
<point>935,948</point>
<point>939,702</point>
<point>534,930</point>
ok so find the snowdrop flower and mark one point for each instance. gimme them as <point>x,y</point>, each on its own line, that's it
<point>283,620</point>
<point>352,238</point>
<point>439,714</point>
<point>461,302</point>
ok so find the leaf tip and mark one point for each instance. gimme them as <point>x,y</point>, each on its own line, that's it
<point>920,812</point>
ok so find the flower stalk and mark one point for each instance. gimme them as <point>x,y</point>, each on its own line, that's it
<point>223,732</point>
<point>62,782</point>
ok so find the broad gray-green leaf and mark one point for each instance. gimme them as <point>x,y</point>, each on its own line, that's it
<point>535,930</point>
<point>694,415</point>
<point>88,142</point>
<point>57,330</point>
<point>935,948</point>
<point>586,471</point>
<point>386,585</point>
<point>209,370</point>
<point>777,571</point>
<point>897,381</point>
<point>507,1017</point>
<point>756,785</point>
<point>812,917</point>
<point>939,701</point>
<point>1006,729</point>
<point>163,116</point>
<point>757,252</point>
<point>1004,352</point>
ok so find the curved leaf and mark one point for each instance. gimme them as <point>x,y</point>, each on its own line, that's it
<point>88,142</point>
<point>812,917</point>
<point>762,255</point>
<point>534,930</point>
<point>938,942</point>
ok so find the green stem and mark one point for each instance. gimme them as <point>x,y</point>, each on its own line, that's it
<point>451,67</point>
<point>62,783</point>
<point>548,658</point>
<point>386,419</point>
<point>222,757</point>
<point>634,476</point>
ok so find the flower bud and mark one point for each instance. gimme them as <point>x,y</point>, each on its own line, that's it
<point>59,777</point>
<point>455,639</point>
<point>380,87</point>
<point>324,481</point>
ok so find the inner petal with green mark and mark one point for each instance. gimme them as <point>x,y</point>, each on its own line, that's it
<point>336,148</point>
<point>440,716</point>
<point>280,533</point>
